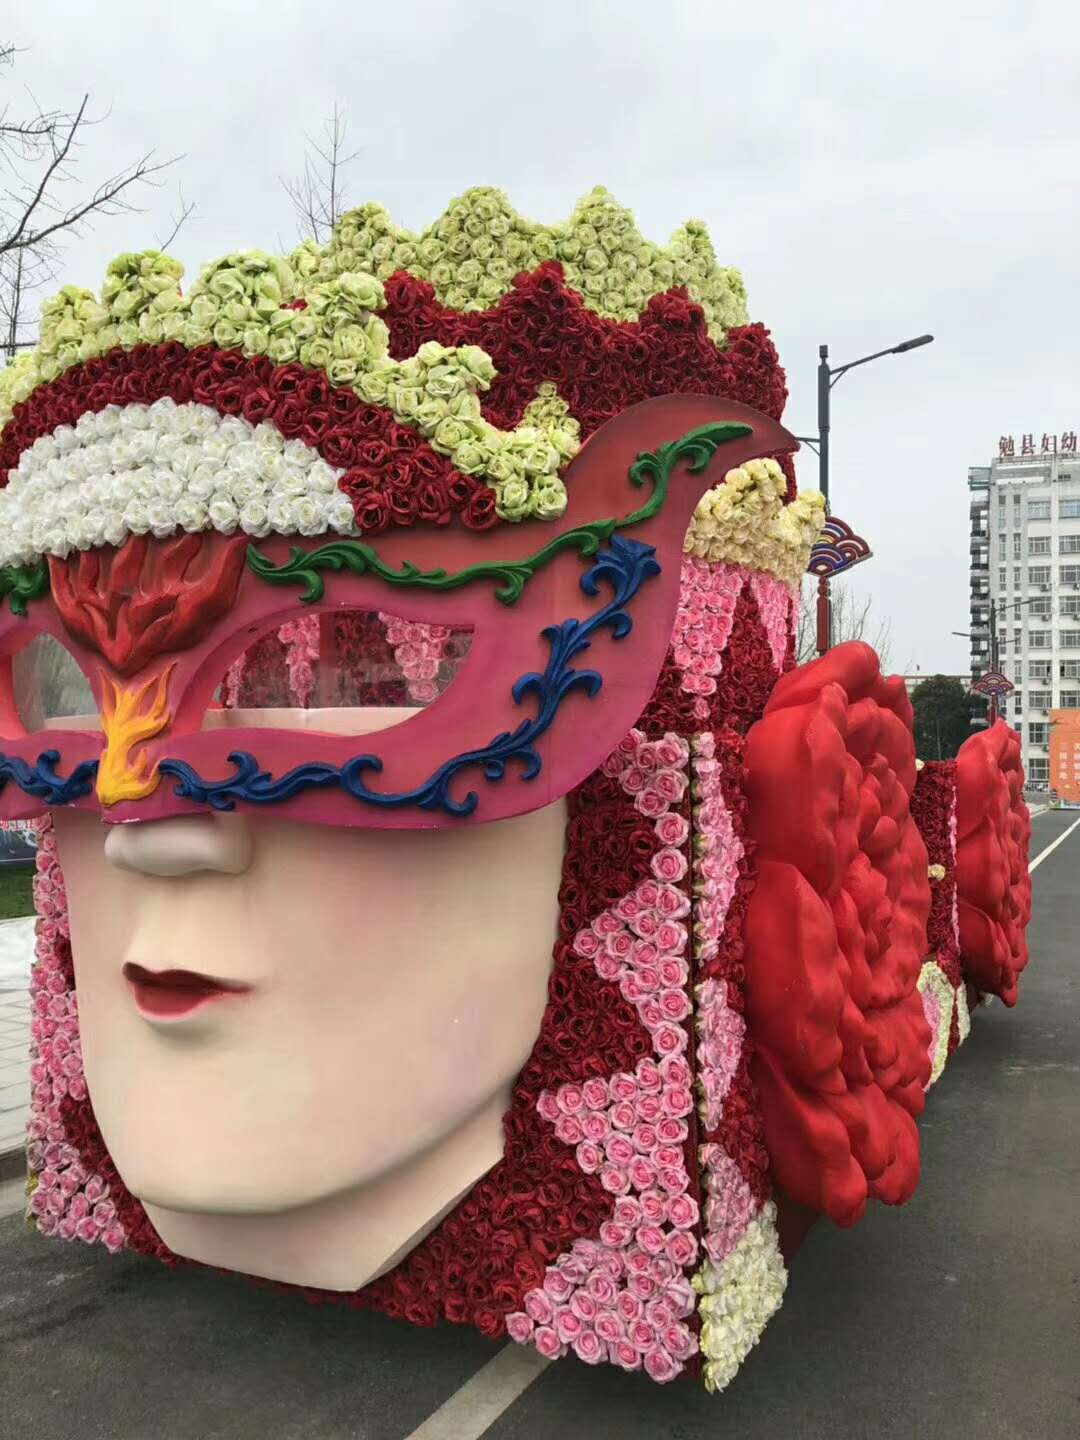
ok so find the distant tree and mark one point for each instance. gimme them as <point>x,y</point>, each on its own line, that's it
<point>853,619</point>
<point>944,710</point>
<point>318,196</point>
<point>48,196</point>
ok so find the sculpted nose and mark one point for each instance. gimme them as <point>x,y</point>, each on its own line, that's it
<point>182,845</point>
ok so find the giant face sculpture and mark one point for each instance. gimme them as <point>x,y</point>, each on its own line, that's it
<point>399,857</point>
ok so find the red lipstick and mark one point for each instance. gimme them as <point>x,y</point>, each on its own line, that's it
<point>175,994</point>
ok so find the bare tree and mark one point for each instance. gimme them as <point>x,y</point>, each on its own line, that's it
<point>853,619</point>
<point>45,198</point>
<point>318,195</point>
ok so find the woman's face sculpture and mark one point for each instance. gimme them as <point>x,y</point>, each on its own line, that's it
<point>254,992</point>
<point>312,946</point>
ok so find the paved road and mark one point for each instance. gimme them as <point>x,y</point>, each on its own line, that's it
<point>958,1314</point>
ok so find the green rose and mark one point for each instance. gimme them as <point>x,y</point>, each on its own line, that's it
<point>512,499</point>
<point>281,347</point>
<point>469,457</point>
<point>429,414</point>
<point>449,434</point>
<point>543,246</point>
<point>549,501</point>
<point>316,352</point>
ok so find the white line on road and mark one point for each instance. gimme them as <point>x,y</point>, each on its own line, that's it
<point>483,1398</point>
<point>1053,846</point>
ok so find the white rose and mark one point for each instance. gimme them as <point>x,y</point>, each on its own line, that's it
<point>254,519</point>
<point>136,516</point>
<point>202,420</point>
<point>191,514</point>
<point>340,515</point>
<point>114,529</point>
<point>224,515</point>
<point>243,488</point>
<point>308,516</point>
<point>162,517</point>
<point>268,437</point>
<point>135,417</point>
<point>108,422</point>
<point>279,513</point>
<point>322,478</point>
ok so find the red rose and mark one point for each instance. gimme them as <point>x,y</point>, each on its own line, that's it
<point>338,447</point>
<point>433,503</point>
<point>993,836</point>
<point>836,934</point>
<point>289,415</point>
<point>372,510</point>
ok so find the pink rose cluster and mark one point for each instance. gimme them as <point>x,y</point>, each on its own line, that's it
<point>730,1204</point>
<point>778,605</point>
<point>423,653</point>
<point>301,640</point>
<point>67,1199</point>
<point>718,851</point>
<point>707,598</point>
<point>625,1297</point>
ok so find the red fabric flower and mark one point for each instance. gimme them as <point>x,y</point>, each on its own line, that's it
<point>992,843</point>
<point>836,935</point>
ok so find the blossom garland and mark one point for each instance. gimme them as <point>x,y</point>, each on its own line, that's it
<point>939,1004</point>
<point>742,1279</point>
<point>626,1297</point>
<point>933,808</point>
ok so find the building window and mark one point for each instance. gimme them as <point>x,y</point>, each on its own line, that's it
<point>1001,497</point>
<point>1018,701</point>
<point>1038,509</point>
<point>1069,545</point>
<point>1038,769</point>
<point>1038,574</point>
<point>1039,669</point>
<point>1070,699</point>
<point>1017,572</point>
<point>1070,670</point>
<point>1069,639</point>
<point>1040,544</point>
<point>1070,605</point>
<point>1069,574</point>
<point>1002,577</point>
<point>1040,639</point>
<point>1040,607</point>
<point>1069,509</point>
<point>1017,552</point>
<point>1038,732</point>
<point>1016,499</point>
<point>1040,699</point>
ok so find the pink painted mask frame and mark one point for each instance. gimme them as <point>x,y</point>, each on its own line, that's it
<point>485,704</point>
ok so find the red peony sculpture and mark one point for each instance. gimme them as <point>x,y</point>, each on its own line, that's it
<point>993,838</point>
<point>836,935</point>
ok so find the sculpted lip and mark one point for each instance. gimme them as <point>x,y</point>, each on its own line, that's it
<point>175,994</point>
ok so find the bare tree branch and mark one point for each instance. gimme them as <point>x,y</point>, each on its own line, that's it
<point>185,210</point>
<point>44,199</point>
<point>318,195</point>
<point>853,619</point>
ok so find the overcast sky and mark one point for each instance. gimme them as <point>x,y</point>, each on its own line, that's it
<point>875,170</point>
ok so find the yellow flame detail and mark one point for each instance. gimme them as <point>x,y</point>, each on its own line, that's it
<point>129,718</point>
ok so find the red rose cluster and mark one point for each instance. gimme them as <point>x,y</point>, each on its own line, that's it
<point>992,842</point>
<point>543,331</point>
<point>836,935</point>
<point>933,808</point>
<point>393,476</point>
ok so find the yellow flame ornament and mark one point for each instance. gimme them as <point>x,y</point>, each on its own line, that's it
<point>129,718</point>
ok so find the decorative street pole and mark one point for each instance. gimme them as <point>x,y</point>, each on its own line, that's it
<point>827,378</point>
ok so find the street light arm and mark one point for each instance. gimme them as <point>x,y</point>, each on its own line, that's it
<point>836,371</point>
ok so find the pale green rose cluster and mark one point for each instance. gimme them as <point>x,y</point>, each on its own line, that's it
<point>745,522</point>
<point>738,1298</point>
<point>437,391</point>
<point>473,251</point>
<point>236,302</point>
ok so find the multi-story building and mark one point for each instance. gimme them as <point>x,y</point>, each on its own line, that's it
<point>1025,583</point>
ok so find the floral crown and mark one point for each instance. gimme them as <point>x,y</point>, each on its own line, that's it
<point>383,380</point>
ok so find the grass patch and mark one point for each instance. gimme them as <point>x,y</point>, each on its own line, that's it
<point>16,891</point>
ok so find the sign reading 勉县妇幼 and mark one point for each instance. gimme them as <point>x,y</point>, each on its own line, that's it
<point>1063,444</point>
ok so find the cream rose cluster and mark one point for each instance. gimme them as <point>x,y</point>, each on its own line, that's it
<point>745,522</point>
<point>155,469</point>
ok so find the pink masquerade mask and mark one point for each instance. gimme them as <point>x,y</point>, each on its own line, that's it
<point>569,624</point>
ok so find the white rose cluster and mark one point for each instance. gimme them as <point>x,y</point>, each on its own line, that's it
<point>739,1297</point>
<point>745,522</point>
<point>156,469</point>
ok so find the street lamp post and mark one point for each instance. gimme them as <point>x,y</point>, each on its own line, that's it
<point>995,653</point>
<point>828,375</point>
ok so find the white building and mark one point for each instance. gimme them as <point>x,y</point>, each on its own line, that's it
<point>1025,561</point>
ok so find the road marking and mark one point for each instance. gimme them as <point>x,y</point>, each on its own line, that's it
<point>474,1408</point>
<point>1034,810</point>
<point>1052,846</point>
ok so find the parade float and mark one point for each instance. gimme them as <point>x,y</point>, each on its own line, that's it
<point>454,900</point>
